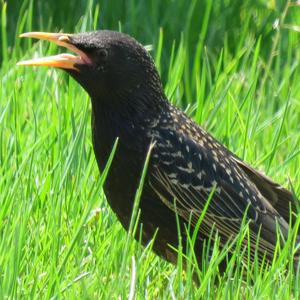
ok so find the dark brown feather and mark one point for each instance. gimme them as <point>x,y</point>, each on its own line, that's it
<point>280,198</point>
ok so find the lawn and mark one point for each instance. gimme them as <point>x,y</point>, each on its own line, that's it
<point>233,66</point>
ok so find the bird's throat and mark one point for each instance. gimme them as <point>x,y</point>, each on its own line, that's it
<point>111,122</point>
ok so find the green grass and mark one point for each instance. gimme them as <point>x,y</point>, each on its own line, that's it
<point>221,62</point>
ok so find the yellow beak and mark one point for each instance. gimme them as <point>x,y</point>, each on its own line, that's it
<point>65,60</point>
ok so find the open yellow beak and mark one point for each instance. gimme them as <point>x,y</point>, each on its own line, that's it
<point>65,60</point>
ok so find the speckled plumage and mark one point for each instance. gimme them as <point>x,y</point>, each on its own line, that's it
<point>187,164</point>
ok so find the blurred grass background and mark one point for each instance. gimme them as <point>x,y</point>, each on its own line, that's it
<point>225,19</point>
<point>232,65</point>
<point>227,24</point>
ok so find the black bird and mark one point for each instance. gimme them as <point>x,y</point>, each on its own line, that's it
<point>187,164</point>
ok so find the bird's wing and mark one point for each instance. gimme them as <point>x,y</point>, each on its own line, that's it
<point>186,172</point>
<point>280,198</point>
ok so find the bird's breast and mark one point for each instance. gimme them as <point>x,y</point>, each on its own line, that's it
<point>127,164</point>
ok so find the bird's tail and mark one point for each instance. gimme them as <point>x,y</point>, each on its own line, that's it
<point>297,256</point>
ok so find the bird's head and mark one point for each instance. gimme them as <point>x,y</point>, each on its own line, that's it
<point>107,64</point>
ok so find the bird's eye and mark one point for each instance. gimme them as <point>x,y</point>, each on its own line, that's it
<point>103,54</point>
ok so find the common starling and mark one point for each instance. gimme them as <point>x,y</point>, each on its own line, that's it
<point>187,165</point>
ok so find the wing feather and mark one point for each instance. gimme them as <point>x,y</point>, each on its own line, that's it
<point>188,179</point>
<point>281,199</point>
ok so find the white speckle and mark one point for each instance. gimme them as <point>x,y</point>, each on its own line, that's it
<point>165,153</point>
<point>228,171</point>
<point>188,170</point>
<point>215,167</point>
<point>231,179</point>
<point>187,148</point>
<point>198,187</point>
<point>216,158</point>
<point>172,175</point>
<point>177,154</point>
<point>241,194</point>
